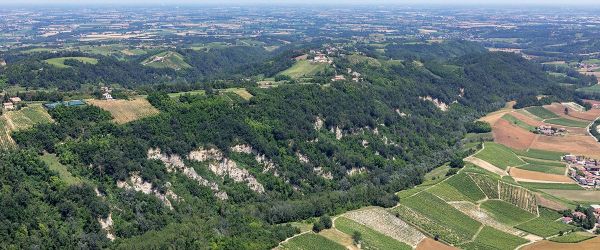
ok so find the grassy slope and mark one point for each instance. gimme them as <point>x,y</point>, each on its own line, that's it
<point>568,122</point>
<point>535,185</point>
<point>499,156</point>
<point>573,237</point>
<point>491,238</point>
<point>518,122</point>
<point>304,68</point>
<point>541,154</point>
<point>371,239</point>
<point>459,187</point>
<point>541,112</point>
<point>59,62</point>
<point>52,162</point>
<point>171,60</point>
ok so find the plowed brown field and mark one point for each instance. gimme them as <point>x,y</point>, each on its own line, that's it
<point>559,109</point>
<point>574,144</point>
<point>512,136</point>
<point>430,244</point>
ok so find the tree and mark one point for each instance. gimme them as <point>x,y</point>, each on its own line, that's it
<point>457,162</point>
<point>356,237</point>
<point>326,221</point>
<point>566,111</point>
<point>318,226</point>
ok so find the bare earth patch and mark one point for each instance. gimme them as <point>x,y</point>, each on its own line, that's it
<point>431,244</point>
<point>125,111</point>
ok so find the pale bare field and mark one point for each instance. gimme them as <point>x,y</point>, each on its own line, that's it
<point>576,195</point>
<point>533,176</point>
<point>591,244</point>
<point>125,111</point>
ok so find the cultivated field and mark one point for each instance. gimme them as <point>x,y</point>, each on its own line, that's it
<point>371,239</point>
<point>310,241</point>
<point>491,238</point>
<point>124,111</point>
<point>446,221</point>
<point>499,155</point>
<point>27,117</point>
<point>575,195</point>
<point>459,187</point>
<point>382,222</point>
<point>59,62</point>
<point>591,244</point>
<point>511,135</point>
<point>506,213</point>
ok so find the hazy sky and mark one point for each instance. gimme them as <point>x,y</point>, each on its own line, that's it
<point>246,2</point>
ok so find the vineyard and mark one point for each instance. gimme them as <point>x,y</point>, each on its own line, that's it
<point>385,223</point>
<point>506,213</point>
<point>446,221</point>
<point>490,238</point>
<point>371,239</point>
<point>518,196</point>
<point>458,188</point>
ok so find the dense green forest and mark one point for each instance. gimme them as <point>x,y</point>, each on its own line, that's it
<point>331,147</point>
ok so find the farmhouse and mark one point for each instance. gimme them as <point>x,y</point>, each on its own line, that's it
<point>550,131</point>
<point>338,78</point>
<point>12,103</point>
<point>8,106</point>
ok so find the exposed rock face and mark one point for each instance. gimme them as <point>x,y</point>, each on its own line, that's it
<point>229,168</point>
<point>324,174</point>
<point>338,132</point>
<point>401,114</point>
<point>302,158</point>
<point>174,163</point>
<point>205,155</point>
<point>318,123</point>
<point>268,164</point>
<point>138,184</point>
<point>226,167</point>
<point>356,170</point>
<point>107,226</point>
<point>441,105</point>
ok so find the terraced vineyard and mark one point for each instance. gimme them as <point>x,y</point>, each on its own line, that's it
<point>541,112</point>
<point>446,221</point>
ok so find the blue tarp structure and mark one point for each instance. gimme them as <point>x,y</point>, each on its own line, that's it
<point>65,103</point>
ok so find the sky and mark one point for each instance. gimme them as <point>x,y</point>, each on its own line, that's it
<point>249,2</point>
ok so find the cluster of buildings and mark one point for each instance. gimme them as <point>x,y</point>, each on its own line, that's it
<point>589,67</point>
<point>584,170</point>
<point>11,104</point>
<point>106,93</point>
<point>581,215</point>
<point>321,58</point>
<point>550,131</point>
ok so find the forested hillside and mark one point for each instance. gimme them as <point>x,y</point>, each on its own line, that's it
<point>217,170</point>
